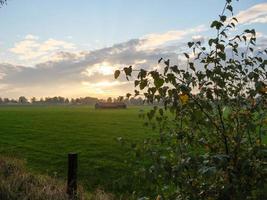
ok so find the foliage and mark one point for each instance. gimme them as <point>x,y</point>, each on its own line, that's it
<point>3,2</point>
<point>212,121</point>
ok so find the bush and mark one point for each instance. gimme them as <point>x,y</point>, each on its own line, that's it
<point>212,121</point>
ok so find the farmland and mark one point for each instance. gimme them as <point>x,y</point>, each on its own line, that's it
<point>44,135</point>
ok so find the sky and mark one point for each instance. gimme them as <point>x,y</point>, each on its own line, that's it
<point>72,48</point>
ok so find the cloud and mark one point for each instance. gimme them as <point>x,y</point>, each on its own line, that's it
<point>85,73</point>
<point>152,41</point>
<point>90,73</point>
<point>255,14</point>
<point>31,37</point>
<point>31,50</point>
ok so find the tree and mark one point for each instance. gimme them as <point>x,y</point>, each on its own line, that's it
<point>33,100</point>
<point>22,100</point>
<point>213,120</point>
<point>109,100</point>
<point>6,100</point>
<point>67,101</point>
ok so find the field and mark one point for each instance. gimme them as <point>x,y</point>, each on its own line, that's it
<point>43,136</point>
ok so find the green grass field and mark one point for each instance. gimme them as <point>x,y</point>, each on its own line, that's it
<point>43,136</point>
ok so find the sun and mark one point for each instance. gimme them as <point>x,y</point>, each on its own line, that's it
<point>105,69</point>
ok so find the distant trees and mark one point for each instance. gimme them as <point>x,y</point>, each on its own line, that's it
<point>33,100</point>
<point>109,100</point>
<point>58,100</point>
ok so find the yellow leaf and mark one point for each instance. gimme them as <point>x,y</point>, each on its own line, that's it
<point>159,197</point>
<point>263,90</point>
<point>184,98</point>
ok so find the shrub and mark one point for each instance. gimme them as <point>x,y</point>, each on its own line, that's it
<point>212,120</point>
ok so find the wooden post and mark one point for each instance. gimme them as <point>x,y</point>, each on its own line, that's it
<point>72,175</point>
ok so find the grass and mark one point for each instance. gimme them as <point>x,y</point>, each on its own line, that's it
<point>17,183</point>
<point>43,136</point>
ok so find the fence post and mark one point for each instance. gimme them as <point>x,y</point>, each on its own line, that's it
<point>72,175</point>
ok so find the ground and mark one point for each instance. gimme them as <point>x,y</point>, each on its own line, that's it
<point>44,135</point>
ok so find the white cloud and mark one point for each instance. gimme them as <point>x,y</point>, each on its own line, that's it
<point>31,37</point>
<point>153,41</point>
<point>255,14</point>
<point>90,73</point>
<point>260,20</point>
<point>3,86</point>
<point>107,88</point>
<point>31,51</point>
<point>2,75</point>
<point>103,68</point>
<point>56,72</point>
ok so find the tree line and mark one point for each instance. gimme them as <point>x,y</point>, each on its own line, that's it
<point>59,100</point>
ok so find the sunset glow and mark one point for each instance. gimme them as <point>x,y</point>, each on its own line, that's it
<point>66,46</point>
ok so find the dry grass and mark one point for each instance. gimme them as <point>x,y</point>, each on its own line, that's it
<point>18,184</point>
<point>101,195</point>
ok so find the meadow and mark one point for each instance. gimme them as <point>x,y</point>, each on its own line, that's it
<point>44,135</point>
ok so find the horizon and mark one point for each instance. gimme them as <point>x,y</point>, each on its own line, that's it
<point>63,49</point>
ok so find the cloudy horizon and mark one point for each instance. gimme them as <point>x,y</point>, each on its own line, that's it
<point>55,63</point>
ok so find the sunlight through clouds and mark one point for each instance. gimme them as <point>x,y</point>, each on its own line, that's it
<point>102,68</point>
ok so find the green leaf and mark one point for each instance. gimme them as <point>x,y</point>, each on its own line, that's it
<point>216,24</point>
<point>210,42</point>
<point>190,44</point>
<point>223,18</point>
<point>136,92</point>
<point>244,38</point>
<point>191,65</point>
<point>158,82</point>
<point>167,62</point>
<point>128,95</point>
<point>230,8</point>
<point>222,55</point>
<point>143,84</point>
<point>161,111</point>
<point>117,74</point>
<point>224,34</point>
<point>234,18</point>
<point>186,55</point>
<point>220,46</point>
<point>136,83</point>
<point>128,70</point>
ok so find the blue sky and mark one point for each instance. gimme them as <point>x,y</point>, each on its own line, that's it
<point>35,32</point>
<point>102,23</point>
